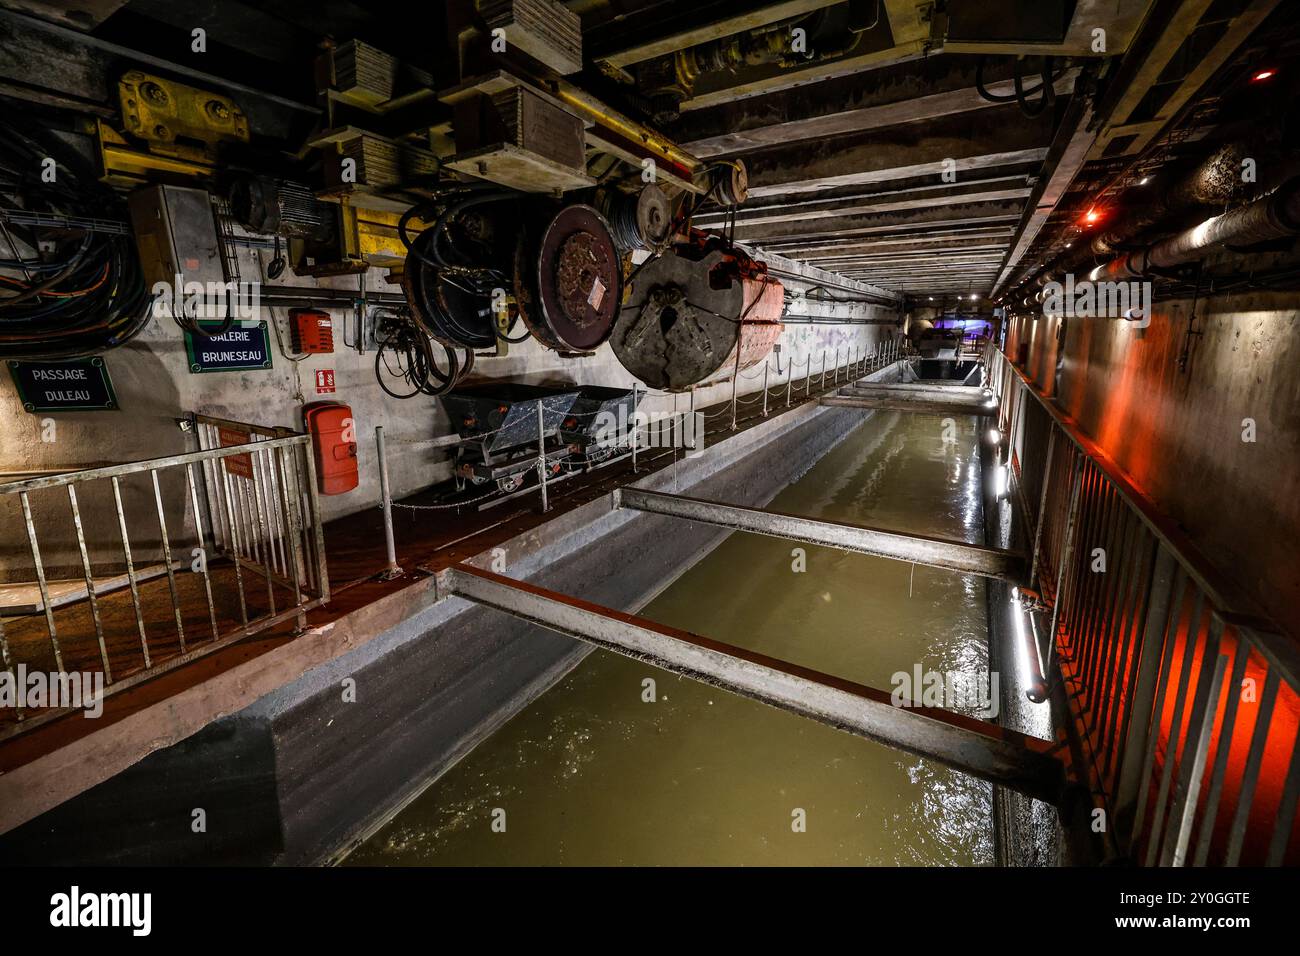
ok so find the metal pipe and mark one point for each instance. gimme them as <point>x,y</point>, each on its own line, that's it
<point>1036,691</point>
<point>386,502</point>
<point>1273,216</point>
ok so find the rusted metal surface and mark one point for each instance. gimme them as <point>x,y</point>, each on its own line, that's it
<point>699,313</point>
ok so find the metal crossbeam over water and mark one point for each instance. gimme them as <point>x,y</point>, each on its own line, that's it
<point>1023,763</point>
<point>917,549</point>
<point>937,405</point>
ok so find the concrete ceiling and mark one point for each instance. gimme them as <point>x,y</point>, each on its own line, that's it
<point>886,164</point>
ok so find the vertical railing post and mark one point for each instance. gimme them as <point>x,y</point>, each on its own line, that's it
<point>386,503</point>
<point>1042,509</point>
<point>130,571</point>
<point>40,581</point>
<point>735,384</point>
<point>766,366</point>
<point>635,406</point>
<point>541,455</point>
<point>691,430</point>
<point>167,559</point>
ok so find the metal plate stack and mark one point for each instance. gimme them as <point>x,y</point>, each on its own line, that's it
<point>546,30</point>
<point>383,165</point>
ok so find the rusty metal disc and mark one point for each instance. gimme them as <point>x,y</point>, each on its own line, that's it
<point>578,281</point>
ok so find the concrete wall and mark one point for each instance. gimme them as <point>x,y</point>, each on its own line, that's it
<point>1178,433</point>
<point>155,387</point>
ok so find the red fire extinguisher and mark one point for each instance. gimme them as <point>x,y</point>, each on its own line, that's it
<point>334,445</point>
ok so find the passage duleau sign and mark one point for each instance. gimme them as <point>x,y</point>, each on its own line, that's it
<point>80,385</point>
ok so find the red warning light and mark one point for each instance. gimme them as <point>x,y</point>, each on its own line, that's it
<point>1091,217</point>
<point>1264,75</point>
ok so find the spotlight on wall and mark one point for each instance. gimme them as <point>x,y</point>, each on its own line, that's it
<point>995,437</point>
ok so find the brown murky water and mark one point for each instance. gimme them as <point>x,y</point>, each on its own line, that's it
<point>594,774</point>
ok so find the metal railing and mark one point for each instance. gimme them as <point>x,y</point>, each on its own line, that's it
<point>239,539</point>
<point>1184,702</point>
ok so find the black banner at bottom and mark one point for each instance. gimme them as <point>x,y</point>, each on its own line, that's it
<point>912,907</point>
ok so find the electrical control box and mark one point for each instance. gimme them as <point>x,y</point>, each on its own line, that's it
<point>176,231</point>
<point>311,330</point>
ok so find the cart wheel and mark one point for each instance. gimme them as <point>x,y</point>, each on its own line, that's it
<point>513,483</point>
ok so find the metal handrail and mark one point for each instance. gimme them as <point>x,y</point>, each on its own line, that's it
<point>148,464</point>
<point>262,514</point>
<point>1231,603</point>
<point>1145,648</point>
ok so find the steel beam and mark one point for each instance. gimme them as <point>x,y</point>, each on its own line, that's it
<point>891,201</point>
<point>911,92</point>
<point>1025,764</point>
<point>910,217</point>
<point>901,403</point>
<point>995,137</point>
<point>691,34</point>
<point>941,393</point>
<point>914,548</point>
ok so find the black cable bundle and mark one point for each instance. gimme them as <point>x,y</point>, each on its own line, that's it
<point>1046,87</point>
<point>406,354</point>
<point>451,283</point>
<point>92,297</point>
